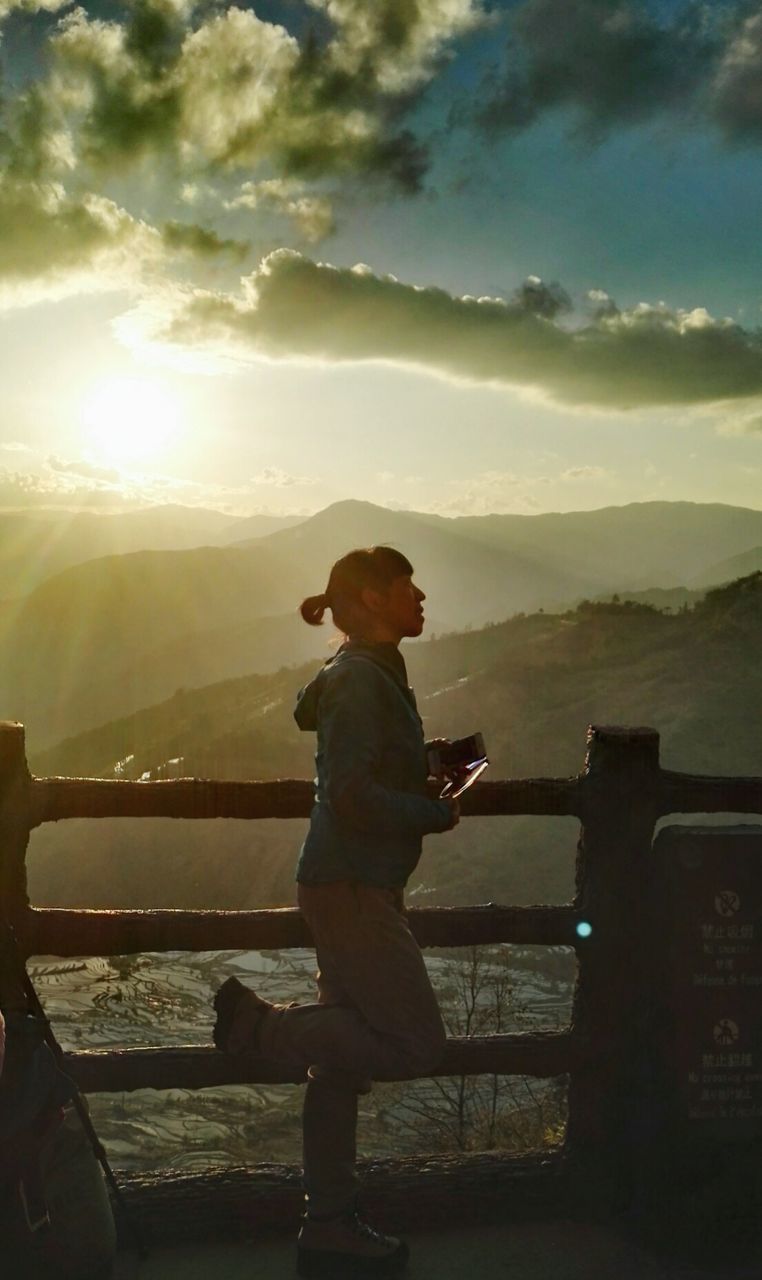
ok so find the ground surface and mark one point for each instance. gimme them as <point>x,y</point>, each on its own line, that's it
<point>533,1251</point>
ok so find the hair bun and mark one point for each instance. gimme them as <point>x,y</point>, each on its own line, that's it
<point>313,608</point>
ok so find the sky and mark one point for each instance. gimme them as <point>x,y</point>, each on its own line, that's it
<point>459,256</point>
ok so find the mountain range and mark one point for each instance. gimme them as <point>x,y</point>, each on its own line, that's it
<point>103,638</point>
<point>34,545</point>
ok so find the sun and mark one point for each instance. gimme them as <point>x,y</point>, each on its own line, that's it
<point>130,419</point>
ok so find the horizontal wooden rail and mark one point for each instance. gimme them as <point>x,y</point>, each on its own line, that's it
<point>695,793</point>
<point>242,1203</point>
<point>76,933</point>
<point>55,798</point>
<point>544,1053</point>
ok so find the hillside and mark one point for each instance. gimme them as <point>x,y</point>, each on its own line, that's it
<point>35,545</point>
<point>641,545</point>
<point>104,638</point>
<point>531,684</point>
<point>83,642</point>
<point>728,570</point>
<point>665,599</point>
<point>481,569</point>
<point>469,583</point>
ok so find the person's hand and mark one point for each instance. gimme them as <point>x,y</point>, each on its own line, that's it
<point>454,806</point>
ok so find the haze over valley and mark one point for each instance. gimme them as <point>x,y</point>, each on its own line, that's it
<point>105,637</point>
<point>193,660</point>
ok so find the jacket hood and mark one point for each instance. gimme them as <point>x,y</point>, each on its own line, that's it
<point>387,656</point>
<point>307,699</point>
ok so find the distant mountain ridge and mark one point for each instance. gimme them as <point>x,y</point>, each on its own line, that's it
<point>81,640</point>
<point>641,544</point>
<point>103,638</point>
<point>36,545</point>
<point>633,547</point>
<point>469,581</point>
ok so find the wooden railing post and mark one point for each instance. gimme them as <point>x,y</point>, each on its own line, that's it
<point>619,811</point>
<point>15,820</point>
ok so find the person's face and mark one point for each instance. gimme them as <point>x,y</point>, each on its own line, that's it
<point>398,611</point>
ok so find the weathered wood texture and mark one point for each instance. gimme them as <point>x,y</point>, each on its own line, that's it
<point>57,798</point>
<point>74,933</point>
<point>689,793</point>
<point>15,785</point>
<point>550,1053</point>
<point>53,799</point>
<point>240,1204</point>
<point>622,777</point>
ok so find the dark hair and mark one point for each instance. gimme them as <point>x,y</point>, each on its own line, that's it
<point>375,567</point>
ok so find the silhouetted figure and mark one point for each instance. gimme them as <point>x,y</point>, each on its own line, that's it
<point>376,1016</point>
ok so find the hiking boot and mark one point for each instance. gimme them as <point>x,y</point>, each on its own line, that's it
<point>346,1247</point>
<point>239,1017</point>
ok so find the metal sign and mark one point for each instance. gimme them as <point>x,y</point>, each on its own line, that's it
<point>708,976</point>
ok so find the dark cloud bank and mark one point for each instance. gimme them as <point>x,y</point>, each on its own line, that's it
<point>295,308</point>
<point>615,62</point>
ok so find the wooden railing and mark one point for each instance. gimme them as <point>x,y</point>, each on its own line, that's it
<point>618,797</point>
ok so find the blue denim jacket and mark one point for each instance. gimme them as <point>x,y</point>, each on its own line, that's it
<point>371,808</point>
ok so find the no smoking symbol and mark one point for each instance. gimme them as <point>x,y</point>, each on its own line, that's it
<point>727,902</point>
<point>726,1031</point>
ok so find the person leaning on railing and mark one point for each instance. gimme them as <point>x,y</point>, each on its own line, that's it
<point>376,1016</point>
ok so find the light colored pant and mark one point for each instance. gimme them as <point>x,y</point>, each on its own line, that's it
<point>376,1017</point>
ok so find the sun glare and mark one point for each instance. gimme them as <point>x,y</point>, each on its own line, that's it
<point>130,419</point>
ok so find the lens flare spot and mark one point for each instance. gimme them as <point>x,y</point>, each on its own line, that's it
<point>584,929</point>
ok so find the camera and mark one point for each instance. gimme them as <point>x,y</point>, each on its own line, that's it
<point>461,762</point>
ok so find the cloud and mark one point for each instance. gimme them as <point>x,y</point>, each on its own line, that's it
<point>280,479</point>
<point>747,422</point>
<point>201,242</point>
<point>486,493</point>
<point>503,491</point>
<point>615,62</point>
<point>32,6</point>
<point>235,91</point>
<point>735,96</point>
<point>540,299</point>
<point>84,470</point>
<point>294,308</point>
<point>53,243</point>
<point>73,484</point>
<point>50,488</point>
<point>312,214</point>
<point>601,305</point>
<point>584,473</point>
<point>195,96</point>
<point>56,236</point>
<point>394,47</point>
<point>608,59</point>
